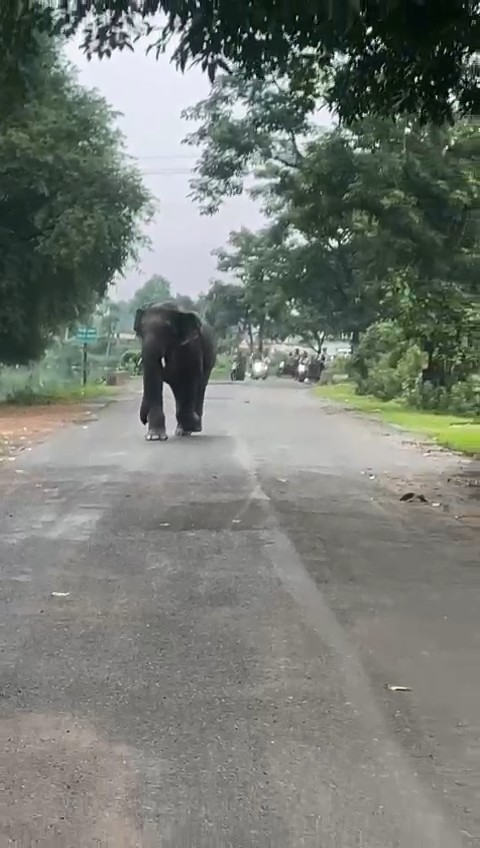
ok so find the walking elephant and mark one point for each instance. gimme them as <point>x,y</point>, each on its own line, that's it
<point>178,349</point>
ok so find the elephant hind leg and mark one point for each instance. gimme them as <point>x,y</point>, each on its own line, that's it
<point>187,420</point>
<point>199,404</point>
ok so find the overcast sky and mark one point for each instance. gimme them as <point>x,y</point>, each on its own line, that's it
<point>151,94</point>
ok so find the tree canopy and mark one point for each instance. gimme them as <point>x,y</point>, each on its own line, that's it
<point>384,56</point>
<point>156,289</point>
<point>378,222</point>
<point>71,208</point>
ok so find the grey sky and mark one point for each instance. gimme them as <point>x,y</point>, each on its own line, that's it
<point>151,95</point>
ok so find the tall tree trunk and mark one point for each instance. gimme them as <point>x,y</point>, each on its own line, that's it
<point>250,335</point>
<point>261,330</point>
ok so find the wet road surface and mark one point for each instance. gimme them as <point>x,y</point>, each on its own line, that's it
<point>197,637</point>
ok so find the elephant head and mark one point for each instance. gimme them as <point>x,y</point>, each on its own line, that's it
<point>165,327</point>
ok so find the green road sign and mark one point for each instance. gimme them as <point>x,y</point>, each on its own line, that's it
<point>86,335</point>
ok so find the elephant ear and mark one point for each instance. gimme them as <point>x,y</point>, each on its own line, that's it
<point>189,326</point>
<point>137,323</point>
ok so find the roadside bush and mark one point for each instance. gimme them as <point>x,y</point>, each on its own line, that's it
<point>46,382</point>
<point>28,385</point>
<point>383,381</point>
<point>461,399</point>
<point>384,363</point>
<point>130,361</point>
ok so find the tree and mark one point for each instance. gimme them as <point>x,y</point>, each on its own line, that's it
<point>71,208</point>
<point>370,223</point>
<point>225,309</point>
<point>185,302</point>
<point>125,316</point>
<point>388,214</point>
<point>155,290</point>
<point>246,125</point>
<point>383,56</point>
<point>256,261</point>
<point>107,317</point>
<point>377,222</point>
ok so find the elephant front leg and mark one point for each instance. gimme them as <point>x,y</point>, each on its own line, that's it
<point>151,408</point>
<point>156,431</point>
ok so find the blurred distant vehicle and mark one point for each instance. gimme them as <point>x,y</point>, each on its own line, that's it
<point>286,368</point>
<point>237,373</point>
<point>342,352</point>
<point>302,371</point>
<point>259,370</point>
<point>315,368</point>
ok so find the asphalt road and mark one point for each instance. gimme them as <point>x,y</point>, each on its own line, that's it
<point>230,610</point>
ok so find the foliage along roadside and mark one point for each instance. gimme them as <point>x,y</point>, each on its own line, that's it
<point>25,393</point>
<point>71,209</point>
<point>457,433</point>
<point>367,225</point>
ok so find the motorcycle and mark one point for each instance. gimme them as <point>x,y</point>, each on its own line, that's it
<point>259,370</point>
<point>315,369</point>
<point>286,368</point>
<point>302,370</point>
<point>237,374</point>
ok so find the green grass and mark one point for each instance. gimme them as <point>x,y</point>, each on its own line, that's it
<point>67,393</point>
<point>220,373</point>
<point>449,431</point>
<point>222,367</point>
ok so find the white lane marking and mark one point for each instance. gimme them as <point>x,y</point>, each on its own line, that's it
<point>247,462</point>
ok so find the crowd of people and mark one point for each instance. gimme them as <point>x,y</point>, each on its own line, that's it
<point>312,365</point>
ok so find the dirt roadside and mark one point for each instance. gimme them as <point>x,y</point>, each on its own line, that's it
<point>21,427</point>
<point>430,477</point>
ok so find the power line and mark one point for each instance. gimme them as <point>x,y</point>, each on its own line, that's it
<point>183,156</point>
<point>166,172</point>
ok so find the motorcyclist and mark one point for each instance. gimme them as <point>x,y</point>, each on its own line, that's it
<point>238,366</point>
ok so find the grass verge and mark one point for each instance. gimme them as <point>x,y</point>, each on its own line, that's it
<point>220,372</point>
<point>73,393</point>
<point>449,431</point>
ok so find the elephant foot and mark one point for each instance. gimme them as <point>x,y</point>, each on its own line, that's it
<point>197,427</point>
<point>154,436</point>
<point>181,432</point>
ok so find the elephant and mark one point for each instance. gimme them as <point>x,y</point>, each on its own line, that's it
<point>177,349</point>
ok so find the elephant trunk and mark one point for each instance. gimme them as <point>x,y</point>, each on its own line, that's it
<point>153,354</point>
